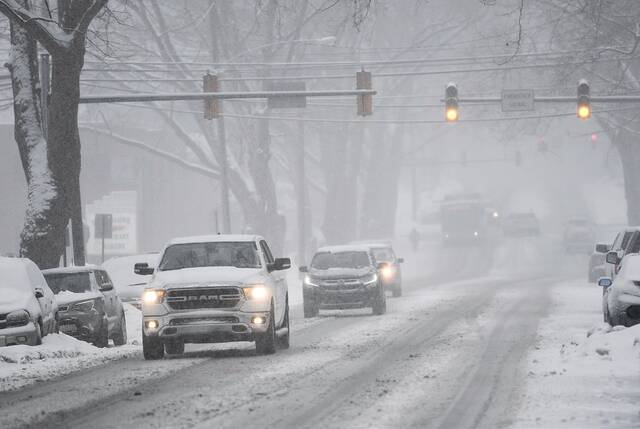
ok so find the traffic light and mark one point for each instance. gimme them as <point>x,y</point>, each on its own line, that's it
<point>543,147</point>
<point>594,141</point>
<point>365,102</point>
<point>211,105</point>
<point>584,99</point>
<point>451,102</point>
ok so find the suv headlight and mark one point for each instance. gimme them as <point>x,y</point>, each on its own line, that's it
<point>153,296</point>
<point>18,318</point>
<point>83,306</point>
<point>257,292</point>
<point>370,280</point>
<point>310,281</point>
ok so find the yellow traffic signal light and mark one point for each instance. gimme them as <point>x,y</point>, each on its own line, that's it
<point>584,99</point>
<point>451,102</point>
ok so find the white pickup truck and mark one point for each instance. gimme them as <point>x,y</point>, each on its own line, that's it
<point>213,289</point>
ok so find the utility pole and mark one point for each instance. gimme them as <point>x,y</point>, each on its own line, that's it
<point>302,197</point>
<point>224,174</point>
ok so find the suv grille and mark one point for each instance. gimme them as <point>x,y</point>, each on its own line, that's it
<point>341,285</point>
<point>206,297</point>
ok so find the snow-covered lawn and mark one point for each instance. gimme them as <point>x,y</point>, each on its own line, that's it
<point>61,354</point>
<point>583,373</point>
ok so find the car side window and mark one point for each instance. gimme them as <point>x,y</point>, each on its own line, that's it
<point>625,240</point>
<point>267,252</point>
<point>616,242</point>
<point>101,278</point>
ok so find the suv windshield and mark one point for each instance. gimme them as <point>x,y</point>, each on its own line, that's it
<point>72,282</point>
<point>222,254</point>
<point>326,260</point>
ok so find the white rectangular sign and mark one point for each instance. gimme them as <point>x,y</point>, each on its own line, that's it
<point>517,100</point>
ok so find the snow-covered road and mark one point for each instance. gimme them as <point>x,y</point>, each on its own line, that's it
<point>482,351</point>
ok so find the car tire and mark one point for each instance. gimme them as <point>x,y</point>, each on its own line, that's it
<point>310,307</point>
<point>120,337</point>
<point>174,347</point>
<point>284,341</point>
<point>102,338</point>
<point>266,343</point>
<point>379,306</point>
<point>152,347</point>
<point>38,339</point>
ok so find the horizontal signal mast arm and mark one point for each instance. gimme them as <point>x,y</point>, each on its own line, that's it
<point>176,96</point>
<point>558,99</point>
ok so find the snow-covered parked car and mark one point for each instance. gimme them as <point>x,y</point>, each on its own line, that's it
<point>343,277</point>
<point>28,308</point>
<point>621,296</point>
<point>215,289</point>
<point>128,284</point>
<point>89,308</point>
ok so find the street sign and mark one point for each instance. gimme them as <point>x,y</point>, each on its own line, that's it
<point>293,102</point>
<point>517,100</point>
<point>103,226</point>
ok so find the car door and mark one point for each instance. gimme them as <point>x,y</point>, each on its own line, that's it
<point>48,306</point>
<point>110,298</point>
<point>279,282</point>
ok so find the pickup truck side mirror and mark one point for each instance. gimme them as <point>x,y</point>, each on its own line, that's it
<point>303,269</point>
<point>602,248</point>
<point>39,292</point>
<point>280,264</point>
<point>143,269</point>
<point>612,258</point>
<point>106,287</point>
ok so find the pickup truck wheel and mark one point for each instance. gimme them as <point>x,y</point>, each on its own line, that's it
<point>152,348</point>
<point>283,341</point>
<point>102,337</point>
<point>266,343</point>
<point>174,347</point>
<point>120,337</point>
<point>309,306</point>
<point>380,304</point>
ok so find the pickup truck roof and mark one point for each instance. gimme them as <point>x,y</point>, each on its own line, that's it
<point>67,270</point>
<point>345,248</point>
<point>218,238</point>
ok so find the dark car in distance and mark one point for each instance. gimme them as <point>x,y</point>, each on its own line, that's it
<point>88,307</point>
<point>343,277</point>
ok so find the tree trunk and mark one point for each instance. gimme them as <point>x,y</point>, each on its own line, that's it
<point>627,145</point>
<point>41,237</point>
<point>64,138</point>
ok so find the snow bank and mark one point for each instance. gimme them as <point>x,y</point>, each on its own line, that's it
<point>582,373</point>
<point>61,354</point>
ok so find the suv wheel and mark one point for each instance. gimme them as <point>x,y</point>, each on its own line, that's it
<point>310,306</point>
<point>174,347</point>
<point>266,343</point>
<point>283,341</point>
<point>380,304</point>
<point>152,347</point>
<point>102,337</point>
<point>120,338</point>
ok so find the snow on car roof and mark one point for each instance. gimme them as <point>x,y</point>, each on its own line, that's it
<point>215,238</point>
<point>372,243</point>
<point>345,248</point>
<point>68,270</point>
<point>6,262</point>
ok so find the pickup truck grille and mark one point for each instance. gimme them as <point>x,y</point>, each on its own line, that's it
<point>205,297</point>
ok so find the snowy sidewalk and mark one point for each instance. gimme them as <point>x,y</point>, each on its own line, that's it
<point>583,373</point>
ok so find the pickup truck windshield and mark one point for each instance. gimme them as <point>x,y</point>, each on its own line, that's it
<point>326,260</point>
<point>72,282</point>
<point>222,254</point>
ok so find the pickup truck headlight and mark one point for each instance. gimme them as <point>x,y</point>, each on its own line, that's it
<point>18,318</point>
<point>257,292</point>
<point>370,280</point>
<point>83,306</point>
<point>153,296</point>
<point>310,281</point>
